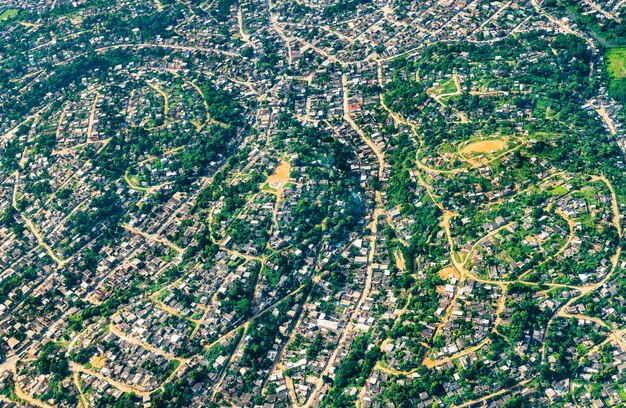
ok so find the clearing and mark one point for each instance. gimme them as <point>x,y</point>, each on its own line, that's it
<point>97,362</point>
<point>446,272</point>
<point>485,146</point>
<point>617,62</point>
<point>558,191</point>
<point>400,262</point>
<point>8,14</point>
<point>446,87</point>
<point>280,177</point>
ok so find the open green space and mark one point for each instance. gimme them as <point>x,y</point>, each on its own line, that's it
<point>617,62</point>
<point>446,87</point>
<point>558,191</point>
<point>8,14</point>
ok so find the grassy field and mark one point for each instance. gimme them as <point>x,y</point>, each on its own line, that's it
<point>617,62</point>
<point>8,14</point>
<point>558,191</point>
<point>446,87</point>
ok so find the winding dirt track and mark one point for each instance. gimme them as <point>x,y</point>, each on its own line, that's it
<point>465,274</point>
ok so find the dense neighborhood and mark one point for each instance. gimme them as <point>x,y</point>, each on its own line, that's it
<point>333,203</point>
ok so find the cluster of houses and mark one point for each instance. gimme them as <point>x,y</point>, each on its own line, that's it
<point>611,393</point>
<point>330,316</point>
<point>234,387</point>
<point>544,236</point>
<point>472,314</point>
<point>603,10</point>
<point>374,29</point>
<point>145,322</point>
<point>127,362</point>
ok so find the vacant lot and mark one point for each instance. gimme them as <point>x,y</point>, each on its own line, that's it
<point>446,87</point>
<point>280,176</point>
<point>617,62</point>
<point>486,146</point>
<point>8,14</point>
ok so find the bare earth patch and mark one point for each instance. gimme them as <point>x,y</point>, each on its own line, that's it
<point>280,176</point>
<point>485,146</point>
<point>400,263</point>
<point>97,362</point>
<point>447,271</point>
